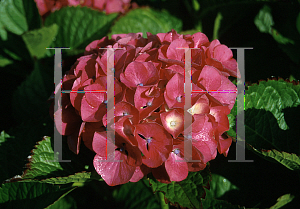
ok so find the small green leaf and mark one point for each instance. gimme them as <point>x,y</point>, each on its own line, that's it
<point>3,32</point>
<point>38,40</point>
<point>19,16</point>
<point>4,61</point>
<point>219,185</point>
<point>264,20</point>
<point>78,26</point>
<point>298,22</point>
<point>186,193</point>
<point>280,38</point>
<point>30,194</point>
<point>3,137</point>
<point>217,25</point>
<point>196,5</point>
<point>282,201</point>
<point>146,20</point>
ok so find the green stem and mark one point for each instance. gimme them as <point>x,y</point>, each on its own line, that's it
<point>163,204</point>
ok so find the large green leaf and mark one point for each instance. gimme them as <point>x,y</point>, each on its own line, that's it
<point>146,20</point>
<point>38,40</point>
<point>186,193</point>
<point>273,96</point>
<point>30,194</point>
<point>77,179</point>
<point>136,195</point>
<point>19,16</point>
<point>78,26</point>
<point>42,166</point>
<point>269,106</point>
<point>41,162</point>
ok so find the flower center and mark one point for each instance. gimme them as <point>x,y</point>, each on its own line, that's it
<point>173,123</point>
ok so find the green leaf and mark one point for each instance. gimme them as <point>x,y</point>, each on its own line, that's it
<point>280,38</point>
<point>270,107</point>
<point>30,194</point>
<point>136,195</point>
<point>273,96</point>
<point>42,160</point>
<point>187,193</point>
<point>3,33</point>
<point>291,161</point>
<point>3,137</point>
<point>219,185</point>
<point>218,204</point>
<point>4,61</point>
<point>282,201</point>
<point>42,166</point>
<point>78,26</point>
<point>217,25</point>
<point>77,178</point>
<point>146,20</point>
<point>38,40</point>
<point>298,22</point>
<point>264,20</point>
<point>19,16</point>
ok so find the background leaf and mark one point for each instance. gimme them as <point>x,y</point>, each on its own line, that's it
<point>19,16</point>
<point>219,185</point>
<point>30,195</point>
<point>38,40</point>
<point>136,195</point>
<point>78,26</point>
<point>146,20</point>
<point>282,201</point>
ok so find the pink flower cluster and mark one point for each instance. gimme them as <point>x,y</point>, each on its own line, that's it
<point>149,104</point>
<point>109,6</point>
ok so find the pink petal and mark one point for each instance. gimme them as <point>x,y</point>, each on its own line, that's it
<point>114,173</point>
<point>174,51</point>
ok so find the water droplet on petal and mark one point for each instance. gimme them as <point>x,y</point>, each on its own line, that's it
<point>178,99</point>
<point>149,140</point>
<point>176,151</point>
<point>149,103</point>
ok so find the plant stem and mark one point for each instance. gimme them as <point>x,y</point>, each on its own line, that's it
<point>163,204</point>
